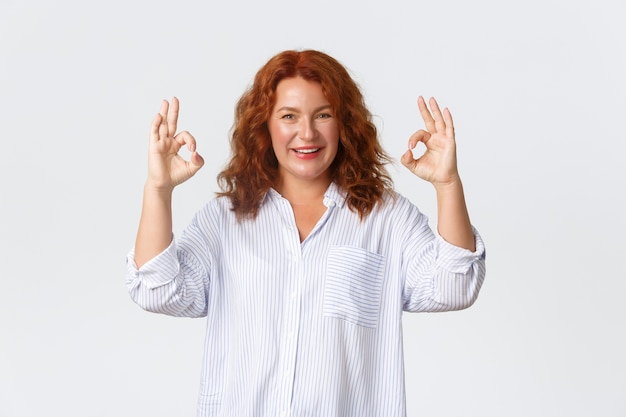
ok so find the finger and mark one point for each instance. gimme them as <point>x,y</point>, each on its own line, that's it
<point>426,116</point>
<point>172,116</point>
<point>163,133</point>
<point>447,118</point>
<point>419,136</point>
<point>154,128</point>
<point>186,139</point>
<point>164,108</point>
<point>440,125</point>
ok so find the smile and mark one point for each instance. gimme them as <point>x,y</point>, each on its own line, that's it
<point>306,151</point>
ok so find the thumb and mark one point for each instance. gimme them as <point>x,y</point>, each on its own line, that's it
<point>408,160</point>
<point>197,161</point>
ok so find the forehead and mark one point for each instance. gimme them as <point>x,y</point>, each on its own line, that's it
<point>299,90</point>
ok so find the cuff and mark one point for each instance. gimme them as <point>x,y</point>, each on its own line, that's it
<point>456,259</point>
<point>158,271</point>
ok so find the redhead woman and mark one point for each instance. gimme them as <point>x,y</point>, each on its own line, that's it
<point>306,260</point>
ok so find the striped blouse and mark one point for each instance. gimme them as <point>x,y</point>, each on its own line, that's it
<point>308,328</point>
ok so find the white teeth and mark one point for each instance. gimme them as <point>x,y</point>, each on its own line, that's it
<point>307,150</point>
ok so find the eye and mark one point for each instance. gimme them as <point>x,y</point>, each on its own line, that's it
<point>324,116</point>
<point>288,116</point>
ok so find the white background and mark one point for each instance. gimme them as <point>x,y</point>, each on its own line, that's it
<point>538,93</point>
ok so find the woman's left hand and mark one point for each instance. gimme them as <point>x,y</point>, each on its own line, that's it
<point>437,164</point>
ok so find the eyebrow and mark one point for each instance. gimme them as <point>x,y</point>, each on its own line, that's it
<point>293,109</point>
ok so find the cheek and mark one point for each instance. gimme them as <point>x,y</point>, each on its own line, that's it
<point>332,133</point>
<point>279,134</point>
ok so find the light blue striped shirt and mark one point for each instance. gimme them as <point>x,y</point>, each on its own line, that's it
<point>311,328</point>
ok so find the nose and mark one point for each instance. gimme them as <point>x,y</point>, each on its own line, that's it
<point>306,129</point>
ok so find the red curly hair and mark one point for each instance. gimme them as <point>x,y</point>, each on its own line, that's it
<point>359,167</point>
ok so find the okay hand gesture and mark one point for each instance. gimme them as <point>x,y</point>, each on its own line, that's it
<point>437,164</point>
<point>166,168</point>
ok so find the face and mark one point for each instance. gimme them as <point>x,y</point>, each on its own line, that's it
<point>304,131</point>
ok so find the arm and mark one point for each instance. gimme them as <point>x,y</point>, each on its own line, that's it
<point>438,166</point>
<point>438,276</point>
<point>166,170</point>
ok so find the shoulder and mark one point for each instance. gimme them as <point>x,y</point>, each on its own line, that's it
<point>398,213</point>
<point>217,210</point>
<point>394,202</point>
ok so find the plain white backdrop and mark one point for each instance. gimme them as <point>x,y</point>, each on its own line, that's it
<point>538,94</point>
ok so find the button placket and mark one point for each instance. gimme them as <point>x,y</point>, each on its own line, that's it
<point>290,331</point>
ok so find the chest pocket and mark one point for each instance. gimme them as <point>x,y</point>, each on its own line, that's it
<point>353,288</point>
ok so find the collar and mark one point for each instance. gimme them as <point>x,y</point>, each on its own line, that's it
<point>334,196</point>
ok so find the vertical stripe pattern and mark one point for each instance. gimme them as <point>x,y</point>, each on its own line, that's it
<point>307,328</point>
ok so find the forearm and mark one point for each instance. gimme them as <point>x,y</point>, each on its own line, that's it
<point>155,225</point>
<point>453,222</point>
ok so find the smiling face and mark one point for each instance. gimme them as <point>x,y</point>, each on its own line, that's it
<point>304,132</point>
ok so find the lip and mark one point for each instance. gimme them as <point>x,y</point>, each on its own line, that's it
<point>307,152</point>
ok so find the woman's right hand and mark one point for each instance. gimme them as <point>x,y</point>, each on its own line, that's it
<point>166,168</point>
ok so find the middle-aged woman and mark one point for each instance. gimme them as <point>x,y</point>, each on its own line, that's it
<point>305,261</point>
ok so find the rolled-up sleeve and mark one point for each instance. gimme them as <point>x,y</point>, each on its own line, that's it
<point>443,277</point>
<point>172,283</point>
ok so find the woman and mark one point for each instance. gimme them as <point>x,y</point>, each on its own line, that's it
<point>306,260</point>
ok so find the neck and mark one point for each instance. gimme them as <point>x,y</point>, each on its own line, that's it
<point>303,192</point>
